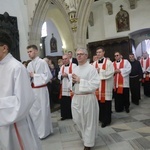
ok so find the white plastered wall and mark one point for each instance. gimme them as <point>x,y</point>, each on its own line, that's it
<point>105,25</point>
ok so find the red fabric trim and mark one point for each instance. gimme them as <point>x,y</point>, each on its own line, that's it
<point>97,91</point>
<point>120,78</point>
<point>146,78</point>
<point>147,63</point>
<point>103,85</point>
<point>18,136</point>
<point>70,72</point>
<point>60,92</point>
<point>142,62</point>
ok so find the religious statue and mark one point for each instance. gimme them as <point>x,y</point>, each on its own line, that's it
<point>53,44</point>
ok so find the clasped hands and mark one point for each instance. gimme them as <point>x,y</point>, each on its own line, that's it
<point>64,75</point>
<point>75,78</point>
<point>117,71</point>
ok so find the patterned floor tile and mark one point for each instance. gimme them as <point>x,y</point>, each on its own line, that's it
<point>129,135</point>
<point>145,144</point>
<point>122,126</point>
<point>128,131</point>
<point>116,137</point>
<point>141,117</point>
<point>146,122</point>
<point>121,146</point>
<point>135,125</point>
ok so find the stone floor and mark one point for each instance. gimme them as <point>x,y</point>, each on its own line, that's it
<point>126,132</point>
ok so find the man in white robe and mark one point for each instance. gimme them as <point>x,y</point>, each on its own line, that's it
<point>17,131</point>
<point>104,93</point>
<point>122,69</point>
<point>40,76</point>
<point>65,76</point>
<point>85,108</point>
<point>145,63</point>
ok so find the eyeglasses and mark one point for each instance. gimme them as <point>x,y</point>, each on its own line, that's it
<point>116,55</point>
<point>80,54</point>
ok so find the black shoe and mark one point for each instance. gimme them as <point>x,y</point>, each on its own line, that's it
<point>127,110</point>
<point>87,148</point>
<point>63,119</point>
<point>119,110</point>
<point>103,125</point>
<point>136,103</point>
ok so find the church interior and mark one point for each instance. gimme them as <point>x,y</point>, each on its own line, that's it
<point>117,25</point>
<point>59,26</point>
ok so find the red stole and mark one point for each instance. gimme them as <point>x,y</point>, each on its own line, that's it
<point>103,85</point>
<point>120,77</point>
<point>70,72</point>
<point>146,77</point>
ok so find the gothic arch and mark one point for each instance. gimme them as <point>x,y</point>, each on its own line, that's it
<point>78,38</point>
<point>84,13</point>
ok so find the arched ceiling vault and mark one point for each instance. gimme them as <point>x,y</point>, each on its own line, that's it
<point>77,37</point>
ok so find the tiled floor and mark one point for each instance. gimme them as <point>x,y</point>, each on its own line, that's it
<point>127,131</point>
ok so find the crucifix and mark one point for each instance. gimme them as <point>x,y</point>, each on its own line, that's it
<point>121,7</point>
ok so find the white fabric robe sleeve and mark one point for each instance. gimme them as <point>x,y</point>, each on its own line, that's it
<point>108,73</point>
<point>42,75</point>
<point>148,69</point>
<point>125,71</point>
<point>92,84</point>
<point>16,107</point>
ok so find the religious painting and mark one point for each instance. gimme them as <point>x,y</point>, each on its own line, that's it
<point>53,44</point>
<point>122,20</point>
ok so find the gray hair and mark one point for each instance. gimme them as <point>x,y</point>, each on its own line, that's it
<point>84,50</point>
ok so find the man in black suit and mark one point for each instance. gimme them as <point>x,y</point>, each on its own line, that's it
<point>72,60</point>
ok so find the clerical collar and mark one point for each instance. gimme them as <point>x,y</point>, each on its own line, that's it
<point>101,60</point>
<point>66,65</point>
<point>118,61</point>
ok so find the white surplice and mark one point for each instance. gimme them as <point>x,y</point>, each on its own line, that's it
<point>16,99</point>
<point>40,111</point>
<point>125,71</point>
<point>66,82</point>
<point>144,66</point>
<point>85,109</point>
<point>107,75</point>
